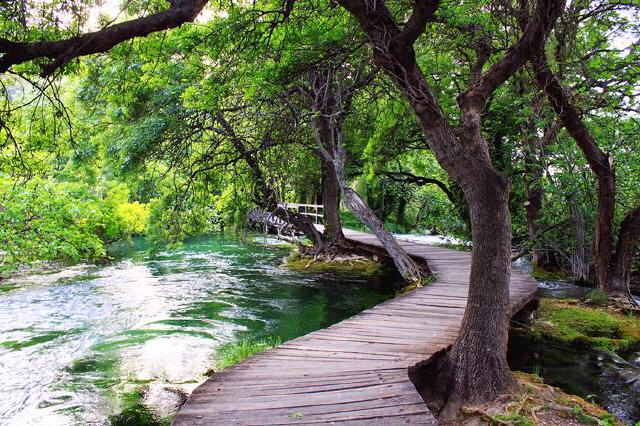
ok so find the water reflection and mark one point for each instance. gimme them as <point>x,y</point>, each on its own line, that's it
<point>73,342</point>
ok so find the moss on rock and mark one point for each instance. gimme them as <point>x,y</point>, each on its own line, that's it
<point>570,322</point>
<point>354,265</point>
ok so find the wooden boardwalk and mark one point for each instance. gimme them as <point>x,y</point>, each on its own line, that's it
<point>354,372</point>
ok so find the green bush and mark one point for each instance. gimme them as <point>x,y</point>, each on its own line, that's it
<point>62,221</point>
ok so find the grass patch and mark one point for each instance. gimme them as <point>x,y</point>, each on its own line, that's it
<point>232,353</point>
<point>546,275</point>
<point>346,265</point>
<point>536,403</point>
<point>598,297</point>
<point>569,322</point>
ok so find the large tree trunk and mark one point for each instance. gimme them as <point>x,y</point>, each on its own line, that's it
<point>484,368</point>
<point>604,224</point>
<point>620,271</point>
<point>475,370</point>
<point>331,204</point>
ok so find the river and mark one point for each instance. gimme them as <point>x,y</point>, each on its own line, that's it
<point>85,344</point>
<point>607,379</point>
<point>124,343</point>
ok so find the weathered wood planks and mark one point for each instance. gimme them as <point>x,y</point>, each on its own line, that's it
<point>353,372</point>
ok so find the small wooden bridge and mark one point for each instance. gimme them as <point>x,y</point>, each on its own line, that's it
<point>354,372</point>
<point>269,221</point>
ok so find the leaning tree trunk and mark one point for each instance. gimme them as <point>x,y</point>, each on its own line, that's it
<point>600,163</point>
<point>330,105</point>
<point>360,209</point>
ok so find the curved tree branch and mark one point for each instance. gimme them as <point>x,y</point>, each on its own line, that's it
<point>62,51</point>
<point>423,11</point>
<point>534,34</point>
<point>421,181</point>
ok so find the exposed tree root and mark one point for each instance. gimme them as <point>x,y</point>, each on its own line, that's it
<point>448,381</point>
<point>533,403</point>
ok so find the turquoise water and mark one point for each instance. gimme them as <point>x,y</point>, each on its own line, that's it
<point>125,342</point>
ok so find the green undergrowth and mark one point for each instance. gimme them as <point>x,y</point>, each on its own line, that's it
<point>347,265</point>
<point>574,323</point>
<point>232,353</point>
<point>536,403</point>
<point>549,275</point>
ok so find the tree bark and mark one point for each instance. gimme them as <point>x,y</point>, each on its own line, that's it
<point>406,265</point>
<point>475,370</point>
<point>331,205</point>
<point>330,104</point>
<point>620,270</point>
<point>62,51</point>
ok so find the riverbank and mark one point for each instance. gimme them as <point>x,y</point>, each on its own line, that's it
<point>588,350</point>
<point>345,264</point>
<point>587,324</point>
<point>91,344</point>
<point>535,403</point>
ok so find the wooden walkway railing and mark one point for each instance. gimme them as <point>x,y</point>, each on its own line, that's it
<point>315,212</point>
<point>354,372</point>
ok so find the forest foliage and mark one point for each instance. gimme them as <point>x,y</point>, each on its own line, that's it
<point>142,140</point>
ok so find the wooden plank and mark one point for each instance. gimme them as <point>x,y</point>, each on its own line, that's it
<point>353,372</point>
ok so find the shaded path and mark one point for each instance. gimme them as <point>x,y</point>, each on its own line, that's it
<point>355,371</point>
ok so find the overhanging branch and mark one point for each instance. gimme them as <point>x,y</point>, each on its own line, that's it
<point>62,51</point>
